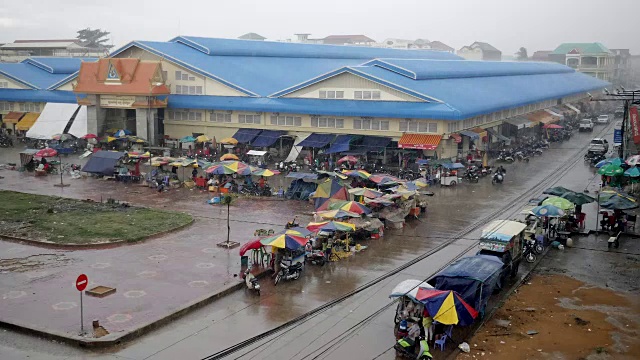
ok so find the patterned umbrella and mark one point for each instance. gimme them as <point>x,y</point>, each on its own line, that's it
<point>611,170</point>
<point>560,203</point>
<point>349,158</point>
<point>366,192</point>
<point>229,156</point>
<point>382,179</point>
<point>331,226</point>
<point>136,139</point>
<point>357,173</point>
<point>188,139</point>
<point>46,152</point>
<point>137,155</point>
<point>352,206</point>
<point>285,241</point>
<point>547,210</point>
<point>337,214</point>
<point>447,307</point>
<point>297,231</point>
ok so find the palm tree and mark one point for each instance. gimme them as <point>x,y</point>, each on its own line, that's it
<point>522,55</point>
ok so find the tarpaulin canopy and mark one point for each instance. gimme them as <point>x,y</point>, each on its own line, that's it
<point>12,117</point>
<point>246,135</point>
<point>316,140</point>
<point>267,138</point>
<point>470,134</point>
<point>103,162</point>
<point>27,121</point>
<point>53,120</point>
<point>300,175</point>
<point>340,144</point>
<point>419,141</point>
<point>374,143</point>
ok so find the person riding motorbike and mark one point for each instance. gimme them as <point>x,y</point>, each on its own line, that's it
<point>293,223</point>
<point>501,170</point>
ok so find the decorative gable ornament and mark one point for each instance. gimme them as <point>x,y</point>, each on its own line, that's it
<point>574,52</point>
<point>112,73</point>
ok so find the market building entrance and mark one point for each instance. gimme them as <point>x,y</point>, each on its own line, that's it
<point>127,94</point>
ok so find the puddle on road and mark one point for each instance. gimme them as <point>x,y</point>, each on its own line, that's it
<point>33,262</point>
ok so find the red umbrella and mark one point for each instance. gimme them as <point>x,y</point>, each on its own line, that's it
<point>251,245</point>
<point>552,126</point>
<point>46,152</point>
<point>90,136</point>
<point>349,158</point>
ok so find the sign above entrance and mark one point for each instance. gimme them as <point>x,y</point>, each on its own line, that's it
<point>115,101</point>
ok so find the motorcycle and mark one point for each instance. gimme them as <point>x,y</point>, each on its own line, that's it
<point>288,272</point>
<point>521,156</point>
<point>498,178</point>
<point>529,252</point>
<point>486,170</point>
<point>472,176</point>
<point>316,257</point>
<point>406,348</point>
<point>252,282</point>
<point>504,156</point>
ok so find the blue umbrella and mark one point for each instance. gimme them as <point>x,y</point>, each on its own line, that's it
<point>187,139</point>
<point>547,210</point>
<point>632,172</point>
<point>615,161</point>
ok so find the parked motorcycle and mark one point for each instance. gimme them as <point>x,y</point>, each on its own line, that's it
<point>252,282</point>
<point>505,156</point>
<point>520,155</point>
<point>288,272</point>
<point>529,251</point>
<point>316,257</point>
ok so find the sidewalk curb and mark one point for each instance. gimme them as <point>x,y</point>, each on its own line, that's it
<point>93,246</point>
<point>120,337</point>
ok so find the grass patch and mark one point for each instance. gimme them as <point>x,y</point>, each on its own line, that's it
<point>68,221</point>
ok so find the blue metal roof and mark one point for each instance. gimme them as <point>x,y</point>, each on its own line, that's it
<point>22,95</point>
<point>340,144</point>
<point>41,72</point>
<point>393,109</point>
<point>435,69</point>
<point>267,138</point>
<point>58,65</point>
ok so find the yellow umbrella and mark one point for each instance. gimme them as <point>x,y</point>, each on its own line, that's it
<point>202,138</point>
<point>229,141</point>
<point>228,157</point>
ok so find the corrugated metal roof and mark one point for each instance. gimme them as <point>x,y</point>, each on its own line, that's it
<point>583,48</point>
<point>41,72</point>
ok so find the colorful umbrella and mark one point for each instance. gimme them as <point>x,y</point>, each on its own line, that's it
<point>611,170</point>
<point>229,156</point>
<point>633,160</point>
<point>46,152</point>
<point>552,126</point>
<point>263,172</point>
<point>90,136</point>
<point>188,139</point>
<point>137,155</point>
<point>560,203</point>
<point>547,210</point>
<point>366,192</point>
<point>330,226</point>
<point>349,158</point>
<point>382,179</point>
<point>202,139</point>
<point>229,141</point>
<point>122,133</point>
<point>578,198</point>
<point>285,241</point>
<point>337,214</point>
<point>632,172</point>
<point>557,191</point>
<point>352,206</point>
<point>136,139</point>
<point>614,161</point>
<point>328,188</point>
<point>297,231</point>
<point>356,173</point>
<point>447,307</point>
<point>107,139</point>
<point>421,183</point>
<point>62,137</point>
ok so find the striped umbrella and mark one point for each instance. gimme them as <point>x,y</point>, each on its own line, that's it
<point>331,226</point>
<point>352,206</point>
<point>366,192</point>
<point>285,241</point>
<point>357,173</point>
<point>337,214</point>
<point>447,306</point>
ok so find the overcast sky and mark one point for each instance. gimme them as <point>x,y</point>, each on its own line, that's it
<point>506,24</point>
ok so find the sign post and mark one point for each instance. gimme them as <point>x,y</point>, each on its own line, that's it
<point>81,283</point>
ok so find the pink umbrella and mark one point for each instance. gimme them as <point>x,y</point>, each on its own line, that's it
<point>349,159</point>
<point>552,126</point>
<point>46,152</point>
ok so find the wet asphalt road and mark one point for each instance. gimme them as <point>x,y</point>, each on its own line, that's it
<point>241,315</point>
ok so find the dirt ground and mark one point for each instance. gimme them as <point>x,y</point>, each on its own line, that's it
<point>558,317</point>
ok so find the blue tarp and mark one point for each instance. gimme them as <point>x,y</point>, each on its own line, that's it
<point>103,162</point>
<point>246,135</point>
<point>453,166</point>
<point>474,278</point>
<point>340,144</point>
<point>375,143</point>
<point>267,138</point>
<point>316,140</point>
<point>300,175</point>
<point>471,134</point>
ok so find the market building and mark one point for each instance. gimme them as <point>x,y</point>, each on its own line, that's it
<point>329,98</point>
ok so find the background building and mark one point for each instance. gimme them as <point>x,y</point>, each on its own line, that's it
<point>590,58</point>
<point>480,51</point>
<point>20,50</point>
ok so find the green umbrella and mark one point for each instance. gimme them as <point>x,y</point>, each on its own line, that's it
<point>557,191</point>
<point>559,202</point>
<point>611,170</point>
<point>578,198</point>
<point>618,202</point>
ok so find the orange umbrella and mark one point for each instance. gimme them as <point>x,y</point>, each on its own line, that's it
<point>229,157</point>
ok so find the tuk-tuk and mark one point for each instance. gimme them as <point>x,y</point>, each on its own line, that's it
<point>504,239</point>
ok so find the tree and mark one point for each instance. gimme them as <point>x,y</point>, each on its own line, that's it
<point>522,55</point>
<point>94,38</point>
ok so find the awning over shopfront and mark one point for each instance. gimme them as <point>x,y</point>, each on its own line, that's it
<point>374,143</point>
<point>103,162</point>
<point>471,134</point>
<point>246,135</point>
<point>340,144</point>
<point>419,141</point>
<point>317,140</point>
<point>519,122</point>
<point>267,138</point>
<point>542,117</point>
<point>577,111</point>
<point>456,138</point>
<point>53,120</point>
<point>12,118</point>
<point>27,121</point>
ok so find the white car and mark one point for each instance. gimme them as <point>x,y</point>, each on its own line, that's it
<point>585,125</point>
<point>603,119</point>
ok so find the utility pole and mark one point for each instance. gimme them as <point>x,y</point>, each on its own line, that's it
<point>630,98</point>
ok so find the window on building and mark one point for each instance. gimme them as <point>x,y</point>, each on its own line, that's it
<point>183,114</point>
<point>323,94</point>
<point>249,119</point>
<point>220,117</point>
<point>453,127</point>
<point>6,106</point>
<point>339,94</point>
<point>29,107</point>
<point>417,126</point>
<point>4,84</point>
<point>327,122</point>
<point>181,75</point>
<point>331,94</point>
<point>357,95</point>
<point>367,95</point>
<point>375,95</point>
<point>286,120</point>
<point>468,123</point>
